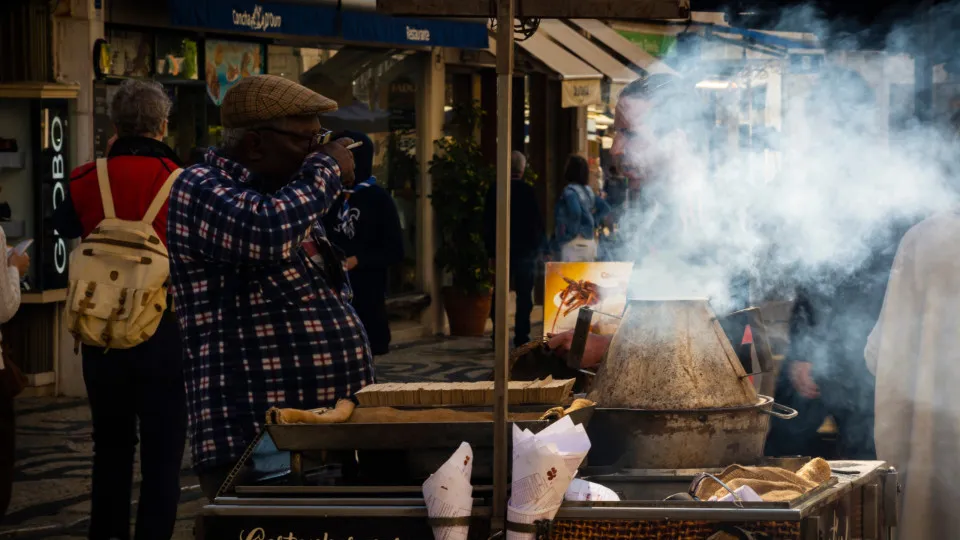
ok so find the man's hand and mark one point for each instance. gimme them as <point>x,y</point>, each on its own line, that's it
<point>20,262</point>
<point>350,263</point>
<point>338,151</point>
<point>803,381</point>
<point>593,352</point>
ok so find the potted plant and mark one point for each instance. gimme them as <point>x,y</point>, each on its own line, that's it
<point>461,178</point>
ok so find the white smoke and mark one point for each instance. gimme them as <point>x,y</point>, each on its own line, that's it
<point>846,186</point>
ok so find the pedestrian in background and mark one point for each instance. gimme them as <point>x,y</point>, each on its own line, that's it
<point>13,268</point>
<point>365,225</point>
<point>578,214</point>
<point>526,242</point>
<point>141,389</point>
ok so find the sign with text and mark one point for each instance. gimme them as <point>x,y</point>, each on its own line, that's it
<point>325,526</point>
<point>303,19</point>
<point>580,93</point>
<point>318,19</point>
<point>51,146</point>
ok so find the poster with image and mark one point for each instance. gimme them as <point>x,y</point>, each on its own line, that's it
<point>601,286</point>
<point>228,62</point>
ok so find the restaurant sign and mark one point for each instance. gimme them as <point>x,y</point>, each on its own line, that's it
<point>580,93</point>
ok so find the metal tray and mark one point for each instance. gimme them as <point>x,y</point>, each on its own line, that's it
<point>402,436</point>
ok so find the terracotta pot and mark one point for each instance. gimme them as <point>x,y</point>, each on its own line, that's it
<point>467,314</point>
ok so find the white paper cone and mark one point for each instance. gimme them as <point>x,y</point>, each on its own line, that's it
<point>448,493</point>
<point>581,490</point>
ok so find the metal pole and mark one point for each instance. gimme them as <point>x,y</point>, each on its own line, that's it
<point>501,367</point>
<point>923,66</point>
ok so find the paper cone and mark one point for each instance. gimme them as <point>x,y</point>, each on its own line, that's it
<point>448,493</point>
<point>581,490</point>
<point>541,475</point>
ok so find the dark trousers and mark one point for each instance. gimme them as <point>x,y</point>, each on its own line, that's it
<point>523,271</point>
<point>370,303</point>
<point>851,408</point>
<point>7,458</point>
<point>139,387</point>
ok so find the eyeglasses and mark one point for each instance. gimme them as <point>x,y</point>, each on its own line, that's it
<point>316,140</point>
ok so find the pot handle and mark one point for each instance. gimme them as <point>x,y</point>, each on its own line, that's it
<point>784,413</point>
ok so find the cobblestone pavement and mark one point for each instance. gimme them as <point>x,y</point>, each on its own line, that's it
<point>51,495</point>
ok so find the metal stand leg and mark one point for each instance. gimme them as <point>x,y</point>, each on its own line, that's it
<point>296,468</point>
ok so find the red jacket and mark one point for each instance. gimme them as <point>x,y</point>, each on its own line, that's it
<point>137,168</point>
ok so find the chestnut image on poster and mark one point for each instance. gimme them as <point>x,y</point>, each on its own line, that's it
<point>578,294</point>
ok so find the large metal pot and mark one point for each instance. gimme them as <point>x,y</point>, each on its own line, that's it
<point>682,439</point>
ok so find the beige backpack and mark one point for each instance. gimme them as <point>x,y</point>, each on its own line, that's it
<point>119,276</point>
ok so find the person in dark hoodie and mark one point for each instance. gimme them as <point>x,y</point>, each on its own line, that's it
<point>823,373</point>
<point>364,224</point>
<point>526,242</point>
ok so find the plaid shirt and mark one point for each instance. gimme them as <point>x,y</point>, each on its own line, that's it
<point>262,325</point>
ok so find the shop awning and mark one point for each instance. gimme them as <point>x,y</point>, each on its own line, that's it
<point>580,82</point>
<point>618,74</point>
<point>322,20</point>
<point>622,46</point>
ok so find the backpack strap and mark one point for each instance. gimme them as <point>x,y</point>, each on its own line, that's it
<point>161,198</point>
<point>106,195</point>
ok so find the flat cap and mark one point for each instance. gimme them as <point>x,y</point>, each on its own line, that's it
<point>262,98</point>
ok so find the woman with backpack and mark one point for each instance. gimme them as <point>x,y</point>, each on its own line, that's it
<point>578,214</point>
<point>133,372</point>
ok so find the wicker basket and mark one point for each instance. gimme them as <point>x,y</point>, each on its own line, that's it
<point>665,530</point>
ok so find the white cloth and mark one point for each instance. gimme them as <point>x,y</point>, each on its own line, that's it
<point>579,249</point>
<point>914,351</point>
<point>9,288</point>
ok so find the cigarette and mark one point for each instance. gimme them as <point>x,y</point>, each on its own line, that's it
<point>357,144</point>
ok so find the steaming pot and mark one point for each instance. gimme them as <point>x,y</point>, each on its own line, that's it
<point>672,393</point>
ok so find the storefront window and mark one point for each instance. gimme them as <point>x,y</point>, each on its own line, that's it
<point>177,58</point>
<point>229,61</point>
<point>131,54</point>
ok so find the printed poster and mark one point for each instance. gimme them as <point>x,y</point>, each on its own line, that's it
<point>601,286</point>
<point>228,62</point>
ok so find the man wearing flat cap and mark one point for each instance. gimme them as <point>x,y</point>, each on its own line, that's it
<point>261,295</point>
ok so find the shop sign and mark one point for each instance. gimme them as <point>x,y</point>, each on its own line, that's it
<point>303,19</point>
<point>258,19</point>
<point>376,27</point>
<point>51,145</point>
<point>580,93</point>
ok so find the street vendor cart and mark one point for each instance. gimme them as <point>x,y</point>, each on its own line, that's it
<point>860,502</point>
<point>359,475</point>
